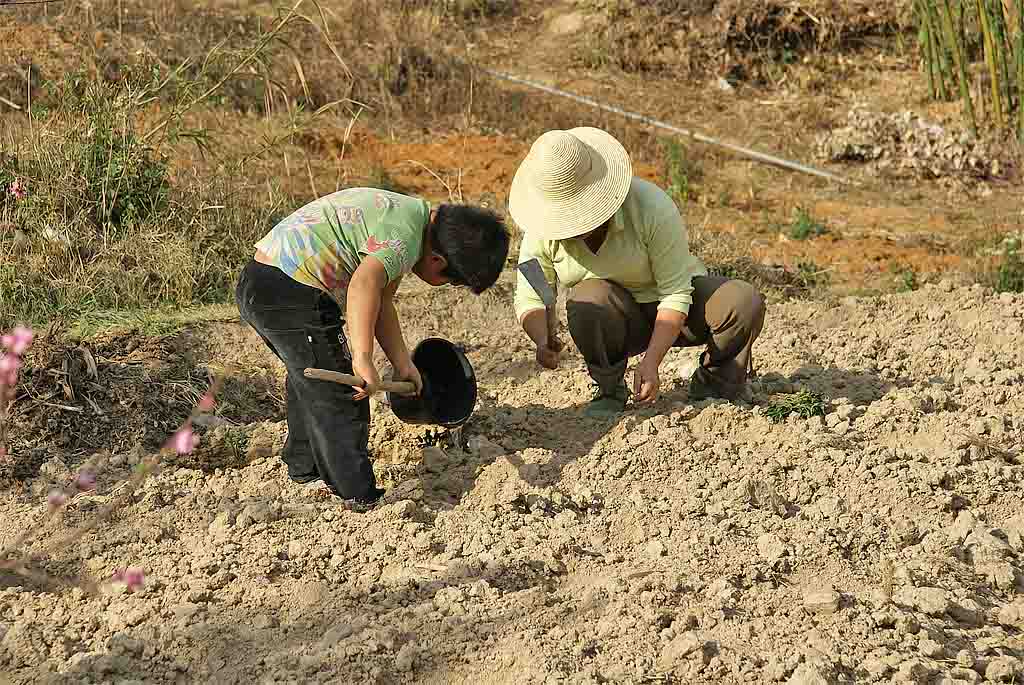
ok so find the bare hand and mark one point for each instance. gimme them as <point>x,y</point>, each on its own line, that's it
<point>548,355</point>
<point>364,369</point>
<point>646,382</point>
<point>411,374</point>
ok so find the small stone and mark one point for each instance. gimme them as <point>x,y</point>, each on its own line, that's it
<point>296,549</point>
<point>656,548</point>
<point>1012,615</point>
<point>963,526</point>
<point>809,673</point>
<point>967,611</point>
<point>930,600</point>
<point>965,658</point>
<point>1014,530</point>
<point>684,645</point>
<point>1004,669</point>
<point>771,547</point>
<point>405,660</point>
<point>221,525</point>
<point>263,622</point>
<point>930,648</point>
<point>185,611</point>
<point>961,676</point>
<point>907,625</point>
<point>914,671</point>
<point>822,602</point>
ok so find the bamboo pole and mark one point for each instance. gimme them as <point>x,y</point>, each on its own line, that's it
<point>1004,55</point>
<point>941,54</point>
<point>1019,6</point>
<point>990,50</point>
<point>958,57</point>
<point>924,41</point>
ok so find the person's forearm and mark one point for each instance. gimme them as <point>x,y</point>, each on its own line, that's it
<point>536,326</point>
<point>362,311</point>
<point>389,334</point>
<point>666,330</point>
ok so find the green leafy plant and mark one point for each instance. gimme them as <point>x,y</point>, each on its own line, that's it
<point>906,280</point>
<point>812,276</point>
<point>804,226</point>
<point>804,404</point>
<point>1009,277</point>
<point>681,171</point>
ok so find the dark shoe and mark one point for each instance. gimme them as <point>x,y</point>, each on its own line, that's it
<point>605,405</point>
<point>305,478</point>
<point>367,501</point>
<point>705,386</point>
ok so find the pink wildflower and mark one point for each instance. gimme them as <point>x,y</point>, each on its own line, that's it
<point>9,365</point>
<point>18,340</point>
<point>206,403</point>
<point>56,499</point>
<point>85,480</point>
<point>133,578</point>
<point>183,441</point>
<point>18,189</point>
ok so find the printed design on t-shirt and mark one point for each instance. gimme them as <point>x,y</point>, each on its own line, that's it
<point>382,201</point>
<point>396,248</point>
<point>350,215</point>
<point>333,279</point>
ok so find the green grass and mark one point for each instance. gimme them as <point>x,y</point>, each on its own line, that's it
<point>907,280</point>
<point>804,226</point>
<point>681,171</point>
<point>157,321</point>
<point>804,404</point>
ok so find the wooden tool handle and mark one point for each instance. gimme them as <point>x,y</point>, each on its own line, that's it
<point>399,387</point>
<point>552,321</point>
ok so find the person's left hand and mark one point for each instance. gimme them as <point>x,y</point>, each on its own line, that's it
<point>409,372</point>
<point>646,382</point>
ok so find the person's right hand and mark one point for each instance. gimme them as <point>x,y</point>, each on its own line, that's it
<point>547,356</point>
<point>364,368</point>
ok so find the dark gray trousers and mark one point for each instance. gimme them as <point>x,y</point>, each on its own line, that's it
<point>328,432</point>
<point>608,326</point>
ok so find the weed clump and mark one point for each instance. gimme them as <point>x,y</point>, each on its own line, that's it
<point>805,226</point>
<point>1004,271</point>
<point>804,404</point>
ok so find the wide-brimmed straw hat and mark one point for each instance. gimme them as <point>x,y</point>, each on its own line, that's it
<point>570,183</point>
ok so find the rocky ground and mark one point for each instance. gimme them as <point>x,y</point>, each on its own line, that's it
<point>687,542</point>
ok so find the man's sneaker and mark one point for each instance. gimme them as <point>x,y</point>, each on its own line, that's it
<point>605,405</point>
<point>705,386</point>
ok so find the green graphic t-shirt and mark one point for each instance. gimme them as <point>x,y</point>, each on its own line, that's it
<point>321,244</point>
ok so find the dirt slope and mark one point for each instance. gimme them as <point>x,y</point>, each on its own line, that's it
<point>686,543</point>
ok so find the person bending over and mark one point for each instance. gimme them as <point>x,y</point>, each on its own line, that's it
<point>334,264</point>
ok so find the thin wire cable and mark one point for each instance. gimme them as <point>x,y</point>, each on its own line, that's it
<point>747,152</point>
<point>8,3</point>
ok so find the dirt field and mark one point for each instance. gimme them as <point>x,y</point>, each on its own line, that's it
<point>683,543</point>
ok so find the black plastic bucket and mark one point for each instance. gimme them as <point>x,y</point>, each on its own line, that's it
<point>449,387</point>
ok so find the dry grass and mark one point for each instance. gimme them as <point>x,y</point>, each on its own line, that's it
<point>741,39</point>
<point>146,186</point>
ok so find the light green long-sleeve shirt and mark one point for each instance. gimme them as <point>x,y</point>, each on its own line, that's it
<point>647,252</point>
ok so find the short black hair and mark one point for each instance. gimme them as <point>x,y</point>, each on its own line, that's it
<point>474,241</point>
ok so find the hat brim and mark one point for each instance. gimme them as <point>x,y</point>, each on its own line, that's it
<point>593,203</point>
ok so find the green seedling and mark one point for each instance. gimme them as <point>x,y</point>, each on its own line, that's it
<point>804,404</point>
